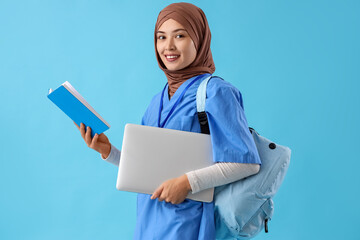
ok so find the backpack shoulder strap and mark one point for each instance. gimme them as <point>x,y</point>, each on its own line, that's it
<point>200,106</point>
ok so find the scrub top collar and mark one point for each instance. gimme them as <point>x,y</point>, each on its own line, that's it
<point>180,89</point>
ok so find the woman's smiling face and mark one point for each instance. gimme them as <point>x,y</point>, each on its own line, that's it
<point>174,45</point>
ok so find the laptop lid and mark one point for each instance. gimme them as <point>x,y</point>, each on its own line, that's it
<point>152,155</point>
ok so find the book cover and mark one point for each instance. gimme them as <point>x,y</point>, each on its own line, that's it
<point>75,106</point>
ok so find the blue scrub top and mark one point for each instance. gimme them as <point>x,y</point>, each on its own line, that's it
<point>231,142</point>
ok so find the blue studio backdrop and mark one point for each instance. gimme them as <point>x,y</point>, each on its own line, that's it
<point>296,64</point>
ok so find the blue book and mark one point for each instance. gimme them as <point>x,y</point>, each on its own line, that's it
<point>75,106</point>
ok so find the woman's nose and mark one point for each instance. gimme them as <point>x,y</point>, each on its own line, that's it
<point>170,45</point>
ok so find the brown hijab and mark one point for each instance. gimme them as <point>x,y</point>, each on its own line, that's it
<point>194,21</point>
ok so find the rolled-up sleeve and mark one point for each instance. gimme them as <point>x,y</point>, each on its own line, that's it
<point>229,131</point>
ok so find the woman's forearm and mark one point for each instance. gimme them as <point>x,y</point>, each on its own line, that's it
<point>219,174</point>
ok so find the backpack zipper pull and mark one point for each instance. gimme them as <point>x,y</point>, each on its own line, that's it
<point>266,225</point>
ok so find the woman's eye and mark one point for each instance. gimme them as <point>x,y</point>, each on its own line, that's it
<point>179,36</point>
<point>161,37</point>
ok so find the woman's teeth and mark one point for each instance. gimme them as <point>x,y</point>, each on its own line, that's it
<point>172,57</point>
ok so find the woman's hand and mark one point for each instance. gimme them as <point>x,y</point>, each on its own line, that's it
<point>99,143</point>
<point>174,190</point>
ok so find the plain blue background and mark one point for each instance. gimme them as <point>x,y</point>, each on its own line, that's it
<point>295,62</point>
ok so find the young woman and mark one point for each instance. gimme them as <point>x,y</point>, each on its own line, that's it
<point>182,48</point>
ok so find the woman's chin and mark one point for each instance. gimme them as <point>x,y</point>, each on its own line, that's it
<point>173,68</point>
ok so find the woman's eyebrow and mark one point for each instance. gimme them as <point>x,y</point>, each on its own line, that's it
<point>176,30</point>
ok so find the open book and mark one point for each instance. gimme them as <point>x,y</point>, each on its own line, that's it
<point>75,106</point>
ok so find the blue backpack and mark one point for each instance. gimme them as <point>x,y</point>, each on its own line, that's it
<point>243,208</point>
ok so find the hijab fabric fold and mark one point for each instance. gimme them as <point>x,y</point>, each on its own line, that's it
<point>195,23</point>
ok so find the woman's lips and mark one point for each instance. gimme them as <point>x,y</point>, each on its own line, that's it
<point>171,58</point>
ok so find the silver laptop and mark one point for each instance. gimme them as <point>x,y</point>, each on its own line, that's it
<point>152,155</point>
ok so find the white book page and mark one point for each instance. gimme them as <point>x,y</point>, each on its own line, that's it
<point>72,90</point>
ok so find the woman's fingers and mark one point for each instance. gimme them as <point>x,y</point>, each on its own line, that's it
<point>94,140</point>
<point>164,195</point>
<point>167,194</point>
<point>88,136</point>
<point>91,142</point>
<point>157,192</point>
<point>82,130</point>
